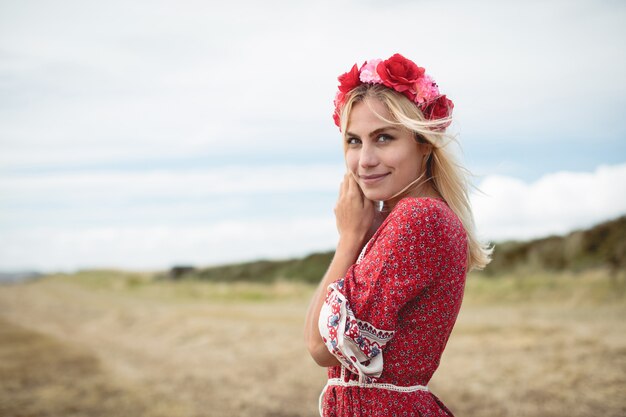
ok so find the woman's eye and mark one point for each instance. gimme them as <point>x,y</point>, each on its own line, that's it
<point>353,141</point>
<point>384,138</point>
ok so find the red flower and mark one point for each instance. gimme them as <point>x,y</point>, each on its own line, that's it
<point>400,74</point>
<point>439,108</point>
<point>349,80</point>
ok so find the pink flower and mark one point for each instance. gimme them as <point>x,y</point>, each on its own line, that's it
<point>338,102</point>
<point>336,117</point>
<point>427,89</point>
<point>368,72</point>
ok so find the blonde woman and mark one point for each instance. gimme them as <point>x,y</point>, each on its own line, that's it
<point>385,308</point>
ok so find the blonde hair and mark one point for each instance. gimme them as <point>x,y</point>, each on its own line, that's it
<point>447,176</point>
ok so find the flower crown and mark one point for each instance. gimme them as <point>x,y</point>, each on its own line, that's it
<point>403,76</point>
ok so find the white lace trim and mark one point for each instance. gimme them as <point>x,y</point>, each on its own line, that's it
<point>340,382</point>
<point>390,387</point>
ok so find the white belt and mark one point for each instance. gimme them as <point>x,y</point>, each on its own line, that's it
<point>339,382</point>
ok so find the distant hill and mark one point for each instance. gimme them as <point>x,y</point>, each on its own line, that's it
<point>308,269</point>
<point>18,276</point>
<point>602,246</point>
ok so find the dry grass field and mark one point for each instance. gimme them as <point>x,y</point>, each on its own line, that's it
<point>108,343</point>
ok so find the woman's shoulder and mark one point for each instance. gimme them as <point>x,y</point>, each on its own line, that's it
<point>425,212</point>
<point>420,207</point>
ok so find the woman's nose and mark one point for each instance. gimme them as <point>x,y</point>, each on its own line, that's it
<point>368,157</point>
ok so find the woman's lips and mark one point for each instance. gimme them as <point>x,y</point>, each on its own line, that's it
<point>372,178</point>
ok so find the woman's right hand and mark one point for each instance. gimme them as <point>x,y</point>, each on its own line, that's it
<point>354,213</point>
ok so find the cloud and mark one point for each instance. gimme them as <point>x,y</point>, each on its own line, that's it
<point>159,247</point>
<point>149,219</point>
<point>109,186</point>
<point>108,81</point>
<point>153,220</point>
<point>555,204</point>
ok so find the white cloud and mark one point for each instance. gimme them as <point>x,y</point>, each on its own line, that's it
<point>157,218</point>
<point>159,234</point>
<point>112,79</point>
<point>158,247</point>
<point>109,186</point>
<point>555,204</point>
<point>174,226</point>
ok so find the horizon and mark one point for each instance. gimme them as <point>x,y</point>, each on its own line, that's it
<point>10,273</point>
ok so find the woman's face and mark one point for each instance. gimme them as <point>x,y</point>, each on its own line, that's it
<point>383,158</point>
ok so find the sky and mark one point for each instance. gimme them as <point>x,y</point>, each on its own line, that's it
<point>148,134</point>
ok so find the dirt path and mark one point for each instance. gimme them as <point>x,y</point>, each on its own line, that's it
<point>42,376</point>
<point>150,357</point>
<point>210,360</point>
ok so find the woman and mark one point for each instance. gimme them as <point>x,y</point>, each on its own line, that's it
<point>385,308</point>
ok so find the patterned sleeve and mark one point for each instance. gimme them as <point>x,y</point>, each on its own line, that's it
<point>407,253</point>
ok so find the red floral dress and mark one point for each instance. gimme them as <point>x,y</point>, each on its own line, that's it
<point>389,319</point>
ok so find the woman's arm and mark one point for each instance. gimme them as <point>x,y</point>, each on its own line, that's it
<point>345,255</point>
<point>354,215</point>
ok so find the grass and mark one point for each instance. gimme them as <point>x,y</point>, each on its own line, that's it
<point>595,287</point>
<point>129,344</point>
<point>42,376</point>
<point>154,286</point>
